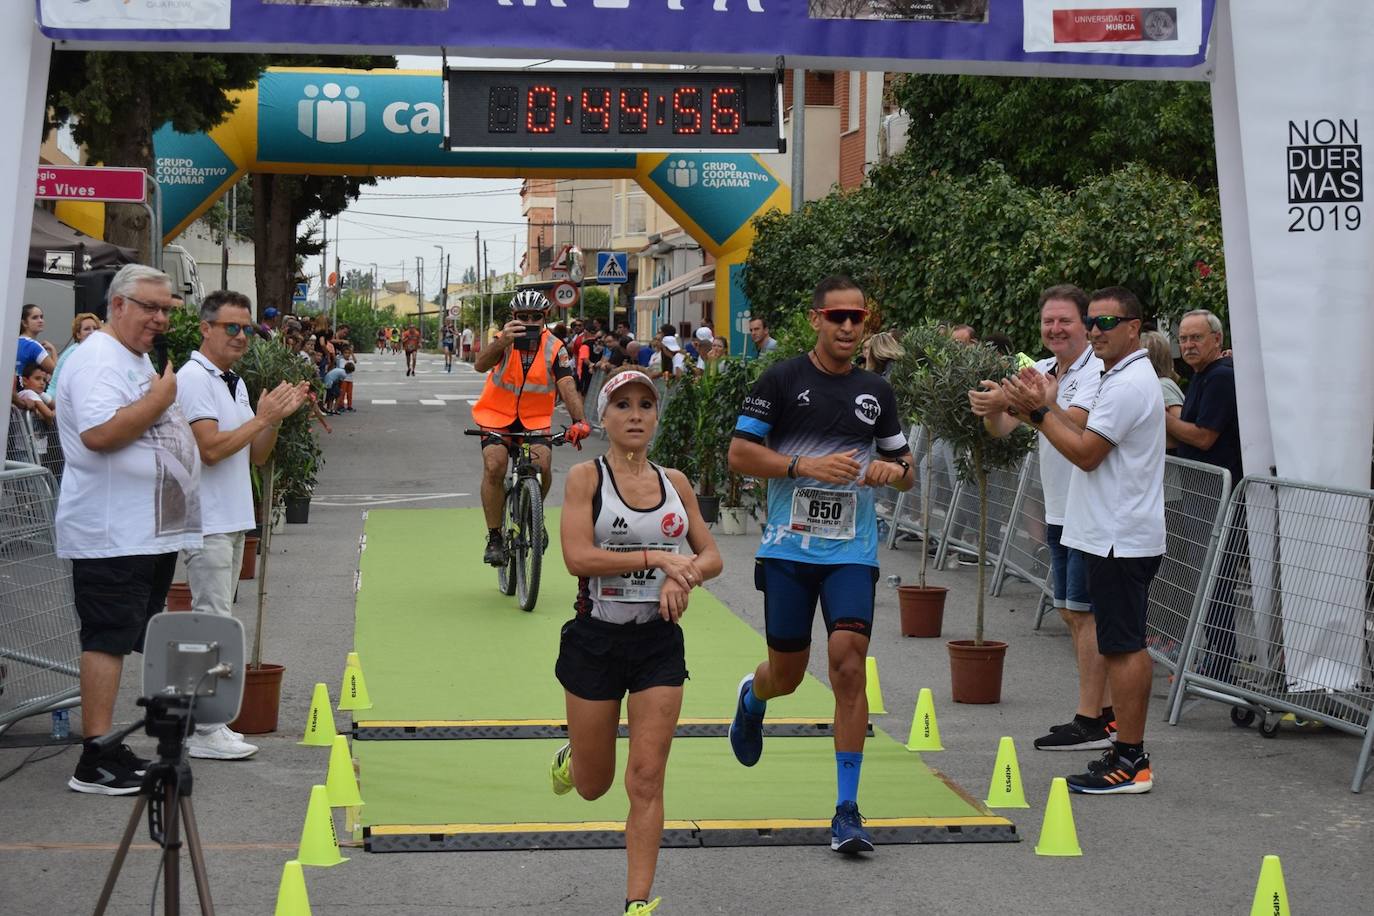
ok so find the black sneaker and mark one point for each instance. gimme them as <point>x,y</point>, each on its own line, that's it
<point>1110,775</point>
<point>104,774</point>
<point>1075,736</point>
<point>965,559</point>
<point>126,756</point>
<point>495,554</point>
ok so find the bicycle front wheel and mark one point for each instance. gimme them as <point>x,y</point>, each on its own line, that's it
<point>530,549</point>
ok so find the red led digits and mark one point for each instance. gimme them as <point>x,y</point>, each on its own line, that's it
<point>634,111</point>
<point>596,111</point>
<point>541,109</point>
<point>686,110</point>
<point>725,110</point>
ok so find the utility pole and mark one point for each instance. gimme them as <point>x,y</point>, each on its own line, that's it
<point>484,279</point>
<point>481,305</point>
<point>420,291</point>
<point>324,264</point>
<point>798,140</point>
<point>443,287</point>
<point>448,262</point>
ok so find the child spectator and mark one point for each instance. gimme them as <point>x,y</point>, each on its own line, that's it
<point>346,389</point>
<point>33,391</point>
<point>333,387</point>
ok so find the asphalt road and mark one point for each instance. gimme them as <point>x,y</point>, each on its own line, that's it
<point>1224,797</point>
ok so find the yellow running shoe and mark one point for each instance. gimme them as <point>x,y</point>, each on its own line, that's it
<point>560,773</point>
<point>639,907</point>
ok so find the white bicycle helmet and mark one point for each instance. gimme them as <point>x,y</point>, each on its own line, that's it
<point>529,300</point>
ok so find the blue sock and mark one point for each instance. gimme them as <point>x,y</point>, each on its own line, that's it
<point>752,704</point>
<point>847,767</point>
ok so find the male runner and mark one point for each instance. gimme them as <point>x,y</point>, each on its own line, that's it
<point>812,425</point>
<point>521,389</point>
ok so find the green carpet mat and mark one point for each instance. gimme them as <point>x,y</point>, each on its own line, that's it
<point>446,655</point>
<point>464,795</point>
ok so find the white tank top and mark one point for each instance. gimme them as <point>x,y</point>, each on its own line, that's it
<point>630,597</point>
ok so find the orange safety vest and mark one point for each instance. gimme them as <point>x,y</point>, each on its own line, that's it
<point>510,393</point>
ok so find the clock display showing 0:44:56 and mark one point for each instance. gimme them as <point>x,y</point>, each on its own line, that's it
<point>613,110</point>
<point>685,110</point>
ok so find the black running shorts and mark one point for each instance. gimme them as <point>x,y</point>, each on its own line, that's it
<point>115,596</point>
<point>604,661</point>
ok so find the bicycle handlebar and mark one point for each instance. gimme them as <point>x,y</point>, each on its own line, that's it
<point>559,438</point>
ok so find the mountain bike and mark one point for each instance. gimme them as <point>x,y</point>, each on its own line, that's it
<point>522,517</point>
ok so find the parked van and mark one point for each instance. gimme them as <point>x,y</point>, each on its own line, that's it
<point>58,298</point>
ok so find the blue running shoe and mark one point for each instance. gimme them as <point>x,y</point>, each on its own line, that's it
<point>746,731</point>
<point>847,833</point>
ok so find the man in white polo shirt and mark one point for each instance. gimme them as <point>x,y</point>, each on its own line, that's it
<point>1077,371</point>
<point>1114,515</point>
<point>228,434</point>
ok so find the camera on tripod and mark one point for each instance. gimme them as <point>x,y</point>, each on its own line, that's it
<point>192,674</point>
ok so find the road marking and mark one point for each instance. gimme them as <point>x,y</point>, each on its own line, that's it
<point>451,397</point>
<point>431,402</point>
<point>354,500</point>
<point>383,400</point>
<point>472,403</point>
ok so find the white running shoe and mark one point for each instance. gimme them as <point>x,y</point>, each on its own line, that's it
<point>218,743</point>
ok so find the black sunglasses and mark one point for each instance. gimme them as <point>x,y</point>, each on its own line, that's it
<point>840,316</point>
<point>1104,322</point>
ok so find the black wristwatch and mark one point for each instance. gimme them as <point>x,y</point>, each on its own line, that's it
<point>1038,415</point>
<point>905,465</point>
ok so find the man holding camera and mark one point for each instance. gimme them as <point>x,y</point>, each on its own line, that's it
<point>529,367</point>
<point>130,500</point>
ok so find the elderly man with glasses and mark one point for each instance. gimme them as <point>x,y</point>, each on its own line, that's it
<point>130,500</point>
<point>228,434</point>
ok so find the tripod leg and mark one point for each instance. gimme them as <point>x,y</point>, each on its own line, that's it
<point>120,853</point>
<point>188,817</point>
<point>171,852</point>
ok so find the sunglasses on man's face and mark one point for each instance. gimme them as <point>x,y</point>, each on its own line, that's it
<point>232,328</point>
<point>1104,322</point>
<point>840,316</point>
<point>530,317</point>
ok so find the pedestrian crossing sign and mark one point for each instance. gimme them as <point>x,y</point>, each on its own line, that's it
<point>302,290</point>
<point>611,267</point>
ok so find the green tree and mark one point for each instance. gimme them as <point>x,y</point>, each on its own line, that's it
<point>116,99</point>
<point>1057,132</point>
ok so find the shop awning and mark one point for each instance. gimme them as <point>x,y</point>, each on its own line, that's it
<point>682,281</point>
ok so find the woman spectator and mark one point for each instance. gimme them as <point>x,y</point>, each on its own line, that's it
<point>1156,343</point>
<point>31,349</point>
<point>83,325</point>
<point>634,582</point>
<point>881,351</point>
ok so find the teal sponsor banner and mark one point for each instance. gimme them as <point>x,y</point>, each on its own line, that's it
<point>190,168</point>
<point>390,119</point>
<point>739,312</point>
<point>721,193</point>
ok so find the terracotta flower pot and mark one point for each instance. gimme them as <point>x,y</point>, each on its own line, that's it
<point>249,569</point>
<point>975,672</point>
<point>922,609</point>
<point>261,699</point>
<point>179,597</point>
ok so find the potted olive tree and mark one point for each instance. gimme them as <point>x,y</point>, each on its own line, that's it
<point>921,606</point>
<point>265,365</point>
<point>939,396</point>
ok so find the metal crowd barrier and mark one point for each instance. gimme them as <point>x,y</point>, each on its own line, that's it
<point>39,645</point>
<point>906,511</point>
<point>1024,553</point>
<point>1288,621</point>
<point>32,441</point>
<point>961,523</point>
<point>1195,500</point>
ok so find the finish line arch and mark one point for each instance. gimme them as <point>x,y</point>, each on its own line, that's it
<point>389,123</point>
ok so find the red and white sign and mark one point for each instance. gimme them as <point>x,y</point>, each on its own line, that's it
<point>1097,27</point>
<point>564,295</point>
<point>96,183</point>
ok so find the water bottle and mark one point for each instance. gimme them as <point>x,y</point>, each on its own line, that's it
<point>894,581</point>
<point>61,724</point>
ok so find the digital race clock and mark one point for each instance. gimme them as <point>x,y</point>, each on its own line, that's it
<point>614,110</point>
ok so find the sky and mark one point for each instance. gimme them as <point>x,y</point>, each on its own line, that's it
<point>399,219</point>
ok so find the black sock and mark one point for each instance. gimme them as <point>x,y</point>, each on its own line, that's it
<point>1108,714</point>
<point>1087,722</point>
<point>493,532</point>
<point>628,902</point>
<point>1130,753</point>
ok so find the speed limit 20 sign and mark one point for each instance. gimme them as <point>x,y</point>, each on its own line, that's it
<point>564,295</point>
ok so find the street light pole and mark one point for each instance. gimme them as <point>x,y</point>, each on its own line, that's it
<point>443,287</point>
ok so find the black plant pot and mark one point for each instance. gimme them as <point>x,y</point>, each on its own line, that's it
<point>297,510</point>
<point>710,507</point>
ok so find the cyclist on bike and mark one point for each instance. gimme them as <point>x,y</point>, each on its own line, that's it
<point>529,367</point>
